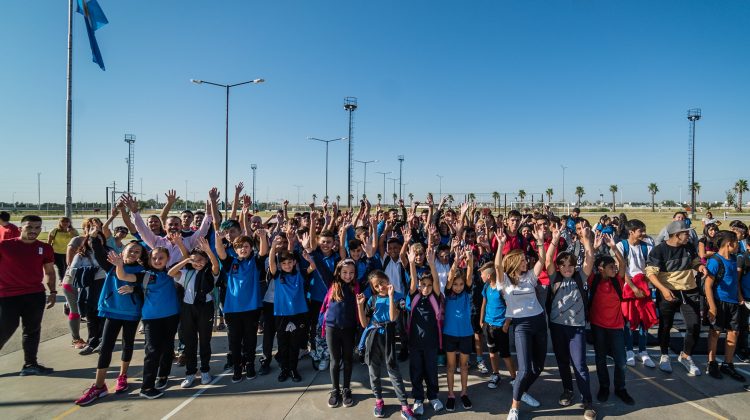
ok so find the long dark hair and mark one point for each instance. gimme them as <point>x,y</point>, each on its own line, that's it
<point>337,287</point>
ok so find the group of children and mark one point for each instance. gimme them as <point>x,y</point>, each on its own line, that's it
<point>438,285</point>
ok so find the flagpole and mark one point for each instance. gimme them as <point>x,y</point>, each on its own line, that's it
<point>69,117</point>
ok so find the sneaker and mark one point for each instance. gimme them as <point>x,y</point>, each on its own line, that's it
<point>92,394</point>
<point>181,360</point>
<point>743,355</point>
<point>588,411</point>
<point>529,400</point>
<point>441,360</point>
<point>566,398</point>
<point>142,331</point>
<point>151,394</point>
<point>347,398</point>
<point>624,396</point>
<point>250,371</point>
<point>403,355</point>
<point>378,410</point>
<point>494,380</point>
<point>206,378</point>
<point>450,404</point>
<point>122,384</point>
<point>603,394</point>
<point>646,359</point>
<point>334,399</point>
<point>629,358</point>
<point>417,408</point>
<point>221,327</point>
<point>284,375</point>
<point>437,405</point>
<point>713,370</point>
<point>86,350</point>
<point>295,376</point>
<point>229,364</point>
<point>513,414</point>
<point>665,364</point>
<point>728,369</point>
<point>237,377</point>
<point>161,383</point>
<point>188,381</point>
<point>482,368</point>
<point>35,369</point>
<point>406,413</point>
<point>466,402</point>
<point>323,365</point>
<point>687,362</point>
<point>746,387</point>
<point>265,369</point>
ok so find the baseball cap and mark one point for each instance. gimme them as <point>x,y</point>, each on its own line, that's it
<point>677,226</point>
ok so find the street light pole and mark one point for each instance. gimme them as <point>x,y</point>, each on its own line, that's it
<point>254,167</point>
<point>563,182</point>
<point>365,162</point>
<point>440,193</point>
<point>400,173</point>
<point>226,134</point>
<point>326,142</point>
<point>384,174</point>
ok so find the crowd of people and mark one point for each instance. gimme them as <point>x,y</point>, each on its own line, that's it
<point>427,283</point>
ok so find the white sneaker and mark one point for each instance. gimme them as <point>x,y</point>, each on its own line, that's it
<point>665,364</point>
<point>529,400</point>
<point>418,408</point>
<point>494,380</point>
<point>513,414</point>
<point>629,358</point>
<point>323,364</point>
<point>437,405</point>
<point>689,365</point>
<point>206,378</point>
<point>646,359</point>
<point>187,382</point>
<point>482,368</point>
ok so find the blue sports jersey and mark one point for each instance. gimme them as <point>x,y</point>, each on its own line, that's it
<point>242,284</point>
<point>726,288</point>
<point>160,295</point>
<point>289,294</point>
<point>494,312</point>
<point>458,314</point>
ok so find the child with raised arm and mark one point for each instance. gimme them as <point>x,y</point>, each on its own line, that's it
<point>457,329</point>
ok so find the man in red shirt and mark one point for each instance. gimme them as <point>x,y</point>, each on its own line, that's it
<point>7,229</point>
<point>24,263</point>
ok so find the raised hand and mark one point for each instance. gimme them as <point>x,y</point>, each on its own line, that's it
<point>609,240</point>
<point>214,194</point>
<point>172,196</point>
<point>598,239</point>
<point>430,254</point>
<point>115,258</point>
<point>361,299</point>
<point>412,256</point>
<point>391,291</point>
<point>306,255</point>
<point>203,245</point>
<point>305,240</point>
<point>175,237</point>
<point>93,232</point>
<point>238,189</point>
<point>125,290</point>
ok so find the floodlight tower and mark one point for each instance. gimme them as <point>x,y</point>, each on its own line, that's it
<point>350,105</point>
<point>130,140</point>
<point>254,167</point>
<point>693,115</point>
<point>400,173</point>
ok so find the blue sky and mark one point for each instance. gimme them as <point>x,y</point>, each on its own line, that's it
<point>494,95</point>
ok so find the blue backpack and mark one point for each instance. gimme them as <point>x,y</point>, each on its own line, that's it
<point>626,248</point>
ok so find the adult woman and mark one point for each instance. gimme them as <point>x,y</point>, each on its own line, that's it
<point>709,219</point>
<point>59,238</point>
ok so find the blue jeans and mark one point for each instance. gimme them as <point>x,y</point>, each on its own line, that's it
<point>531,350</point>
<point>569,344</point>
<point>612,341</point>
<point>642,335</point>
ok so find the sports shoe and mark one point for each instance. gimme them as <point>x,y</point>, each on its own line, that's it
<point>441,360</point>
<point>743,355</point>
<point>206,378</point>
<point>161,383</point>
<point>151,394</point>
<point>295,376</point>
<point>513,414</point>
<point>407,413</point>
<point>377,411</point>
<point>334,398</point>
<point>624,396</point>
<point>188,381</point>
<point>629,358</point>
<point>85,351</point>
<point>728,369</point>
<point>181,360</point>
<point>529,400</point>
<point>283,375</point>
<point>482,368</point>
<point>221,327</point>
<point>566,398</point>
<point>687,362</point>
<point>665,364</point>
<point>323,365</point>
<point>494,380</point>
<point>713,370</point>
<point>588,411</point>
<point>347,397</point>
<point>122,384</point>
<point>466,402</point>
<point>603,394</point>
<point>35,369</point>
<point>92,394</point>
<point>646,359</point>
<point>417,408</point>
<point>250,371</point>
<point>746,387</point>
<point>437,405</point>
<point>450,404</point>
<point>237,377</point>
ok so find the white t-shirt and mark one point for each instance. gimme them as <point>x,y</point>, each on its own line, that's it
<point>442,272</point>
<point>636,261</point>
<point>520,299</point>
<point>393,271</point>
<point>187,280</point>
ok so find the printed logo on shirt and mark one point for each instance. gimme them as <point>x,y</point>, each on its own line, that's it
<point>151,278</point>
<point>235,268</point>
<point>41,251</point>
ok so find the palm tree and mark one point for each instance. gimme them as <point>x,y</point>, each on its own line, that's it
<point>549,193</point>
<point>380,197</point>
<point>496,197</point>
<point>653,189</point>
<point>580,192</point>
<point>315,197</point>
<point>521,195</point>
<point>338,199</point>
<point>695,188</point>
<point>740,187</point>
<point>472,197</point>
<point>395,196</point>
<point>411,197</point>
<point>613,190</point>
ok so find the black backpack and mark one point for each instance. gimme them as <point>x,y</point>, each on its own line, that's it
<point>583,289</point>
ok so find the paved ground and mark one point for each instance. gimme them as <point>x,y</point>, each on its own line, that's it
<point>657,395</point>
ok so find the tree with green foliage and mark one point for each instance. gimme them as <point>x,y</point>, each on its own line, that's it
<point>653,189</point>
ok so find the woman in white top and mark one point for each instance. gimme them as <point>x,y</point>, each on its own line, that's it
<point>524,312</point>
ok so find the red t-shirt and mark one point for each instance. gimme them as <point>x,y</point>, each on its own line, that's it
<point>561,245</point>
<point>605,310</point>
<point>22,266</point>
<point>9,231</point>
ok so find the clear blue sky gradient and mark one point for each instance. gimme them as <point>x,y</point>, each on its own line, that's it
<point>494,95</point>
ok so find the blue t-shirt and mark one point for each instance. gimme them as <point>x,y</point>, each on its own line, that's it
<point>289,294</point>
<point>114,305</point>
<point>745,280</point>
<point>494,312</point>
<point>381,314</point>
<point>457,321</point>
<point>160,295</point>
<point>242,284</point>
<point>726,288</point>
<point>323,275</point>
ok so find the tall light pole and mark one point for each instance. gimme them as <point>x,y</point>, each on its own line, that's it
<point>226,135</point>
<point>357,182</point>
<point>298,188</point>
<point>394,188</point>
<point>254,167</point>
<point>326,142</point>
<point>563,182</point>
<point>365,162</point>
<point>400,173</point>
<point>384,174</point>
<point>693,115</point>
<point>440,191</point>
<point>350,105</point>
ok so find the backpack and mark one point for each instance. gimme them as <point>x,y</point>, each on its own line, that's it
<point>437,307</point>
<point>626,249</point>
<point>595,285</point>
<point>387,260</point>
<point>720,271</point>
<point>583,289</point>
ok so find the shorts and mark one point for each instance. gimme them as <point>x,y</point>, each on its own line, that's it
<point>453,344</point>
<point>727,317</point>
<point>497,340</point>
<point>475,324</point>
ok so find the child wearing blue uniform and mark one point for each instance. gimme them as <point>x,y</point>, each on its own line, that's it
<point>492,320</point>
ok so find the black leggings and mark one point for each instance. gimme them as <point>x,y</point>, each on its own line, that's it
<point>290,341</point>
<point>341,348</point>
<point>688,303</point>
<point>269,331</point>
<point>159,348</point>
<point>196,323</point>
<point>243,336</point>
<point>109,338</point>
